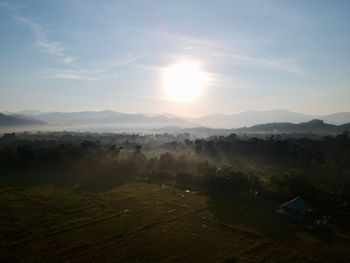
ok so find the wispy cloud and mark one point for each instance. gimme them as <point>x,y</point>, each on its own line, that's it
<point>289,65</point>
<point>231,54</point>
<point>204,49</point>
<point>67,74</point>
<point>186,42</point>
<point>57,49</point>
<point>105,71</point>
<point>222,80</point>
<point>53,48</point>
<point>11,6</point>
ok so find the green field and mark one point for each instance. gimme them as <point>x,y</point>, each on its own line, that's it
<point>143,222</point>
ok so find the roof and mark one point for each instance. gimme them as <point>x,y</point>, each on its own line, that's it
<point>298,205</point>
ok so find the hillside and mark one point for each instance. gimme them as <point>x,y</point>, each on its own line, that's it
<point>250,118</point>
<point>214,121</point>
<point>313,126</point>
<point>18,120</point>
<point>108,117</point>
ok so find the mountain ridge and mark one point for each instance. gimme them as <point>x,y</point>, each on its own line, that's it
<point>18,120</point>
<point>214,121</point>
<point>311,127</point>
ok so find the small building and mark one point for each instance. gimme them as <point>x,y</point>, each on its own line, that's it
<point>296,208</point>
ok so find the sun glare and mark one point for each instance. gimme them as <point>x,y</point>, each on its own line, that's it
<point>184,81</point>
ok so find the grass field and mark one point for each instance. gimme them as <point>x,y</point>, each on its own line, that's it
<point>141,222</point>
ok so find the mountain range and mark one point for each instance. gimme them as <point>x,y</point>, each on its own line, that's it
<point>107,117</point>
<point>250,118</point>
<point>16,120</point>
<point>172,123</point>
<point>313,126</point>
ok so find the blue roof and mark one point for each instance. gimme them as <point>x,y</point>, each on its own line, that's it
<point>298,205</point>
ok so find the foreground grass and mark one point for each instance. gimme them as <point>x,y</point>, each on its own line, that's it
<point>141,222</point>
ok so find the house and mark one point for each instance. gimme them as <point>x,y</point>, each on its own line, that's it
<point>296,208</point>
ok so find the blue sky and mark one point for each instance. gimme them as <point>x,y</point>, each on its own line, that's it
<point>93,55</point>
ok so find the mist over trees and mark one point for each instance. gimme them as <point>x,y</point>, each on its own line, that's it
<point>272,168</point>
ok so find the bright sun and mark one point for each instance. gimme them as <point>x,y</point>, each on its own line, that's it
<point>184,81</point>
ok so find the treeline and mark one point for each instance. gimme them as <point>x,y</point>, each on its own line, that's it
<point>276,150</point>
<point>293,153</point>
<point>228,166</point>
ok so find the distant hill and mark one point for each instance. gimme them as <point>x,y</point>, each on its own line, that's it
<point>75,117</point>
<point>16,120</point>
<point>313,126</point>
<point>337,118</point>
<point>112,118</point>
<point>218,122</point>
<point>250,118</point>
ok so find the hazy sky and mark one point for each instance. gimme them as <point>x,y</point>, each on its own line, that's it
<point>68,55</point>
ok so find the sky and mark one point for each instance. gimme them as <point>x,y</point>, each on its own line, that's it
<point>75,55</point>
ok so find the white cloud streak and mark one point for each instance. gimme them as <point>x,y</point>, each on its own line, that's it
<point>218,53</point>
<point>205,49</point>
<point>66,74</point>
<point>282,64</point>
<point>56,49</point>
<point>53,48</point>
<point>233,54</point>
<point>104,72</point>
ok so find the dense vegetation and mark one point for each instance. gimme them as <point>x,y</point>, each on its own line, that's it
<point>242,180</point>
<point>271,168</point>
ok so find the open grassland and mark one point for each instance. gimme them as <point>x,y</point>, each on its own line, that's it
<point>142,222</point>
